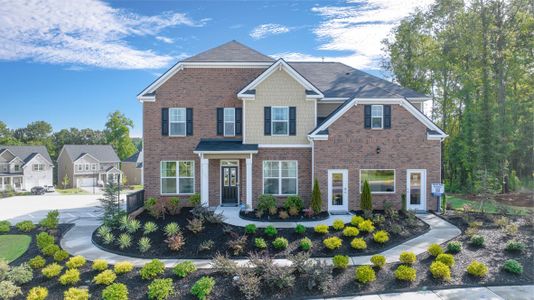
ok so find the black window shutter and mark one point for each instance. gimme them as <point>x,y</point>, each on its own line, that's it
<point>367,116</point>
<point>189,121</point>
<point>267,120</point>
<point>292,120</point>
<point>220,121</point>
<point>387,116</point>
<point>238,120</point>
<point>165,121</point>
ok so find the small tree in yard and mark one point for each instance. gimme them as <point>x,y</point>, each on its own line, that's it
<point>316,201</point>
<point>110,204</point>
<point>366,202</point>
<point>65,182</point>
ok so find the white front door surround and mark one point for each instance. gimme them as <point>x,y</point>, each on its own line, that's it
<point>338,191</point>
<point>416,189</point>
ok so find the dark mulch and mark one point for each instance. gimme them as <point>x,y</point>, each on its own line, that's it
<point>251,216</point>
<point>522,199</point>
<point>215,233</point>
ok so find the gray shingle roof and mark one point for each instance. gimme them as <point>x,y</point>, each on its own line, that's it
<point>136,158</point>
<point>224,145</point>
<point>232,51</point>
<point>26,153</point>
<point>103,153</point>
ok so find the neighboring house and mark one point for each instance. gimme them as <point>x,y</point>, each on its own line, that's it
<point>231,124</point>
<point>24,167</point>
<point>132,168</point>
<point>87,165</point>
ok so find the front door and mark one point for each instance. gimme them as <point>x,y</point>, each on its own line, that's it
<point>229,183</point>
<point>338,192</point>
<point>416,189</point>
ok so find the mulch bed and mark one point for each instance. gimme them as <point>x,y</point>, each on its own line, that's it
<point>251,216</point>
<point>522,199</point>
<point>215,232</point>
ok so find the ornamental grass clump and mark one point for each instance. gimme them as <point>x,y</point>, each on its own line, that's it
<point>171,229</point>
<point>365,274</point>
<point>149,227</point>
<point>144,244</point>
<point>434,250</point>
<point>358,244</point>
<point>407,257</point>
<point>321,228</point>
<point>477,269</point>
<point>405,273</point>
<point>332,242</point>
<point>378,261</point>
<point>381,237</point>
<point>440,270</point>
<point>350,231</point>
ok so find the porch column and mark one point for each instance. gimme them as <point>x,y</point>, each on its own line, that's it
<point>204,182</point>
<point>249,183</point>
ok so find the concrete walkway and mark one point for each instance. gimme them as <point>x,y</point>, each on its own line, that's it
<point>517,292</point>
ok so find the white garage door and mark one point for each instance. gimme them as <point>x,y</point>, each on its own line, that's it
<point>86,182</point>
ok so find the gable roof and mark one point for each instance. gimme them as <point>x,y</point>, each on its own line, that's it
<point>104,153</point>
<point>27,153</point>
<point>135,158</point>
<point>232,51</point>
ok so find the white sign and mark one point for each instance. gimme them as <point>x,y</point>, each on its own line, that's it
<point>438,189</point>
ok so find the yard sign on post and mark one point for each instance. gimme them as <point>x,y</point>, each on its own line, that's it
<point>438,189</point>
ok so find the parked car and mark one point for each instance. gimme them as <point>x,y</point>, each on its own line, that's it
<point>38,190</point>
<point>49,188</point>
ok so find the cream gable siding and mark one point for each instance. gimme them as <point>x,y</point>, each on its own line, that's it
<point>37,178</point>
<point>279,89</point>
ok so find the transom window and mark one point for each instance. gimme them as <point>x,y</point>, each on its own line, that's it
<point>280,177</point>
<point>177,177</point>
<point>177,121</point>
<point>380,181</point>
<point>38,167</point>
<point>377,116</point>
<point>280,120</point>
<point>229,121</point>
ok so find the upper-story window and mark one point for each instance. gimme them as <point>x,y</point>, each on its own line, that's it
<point>93,167</point>
<point>177,121</point>
<point>79,167</point>
<point>38,167</point>
<point>377,116</point>
<point>280,120</point>
<point>229,121</point>
<point>16,168</point>
<point>87,167</point>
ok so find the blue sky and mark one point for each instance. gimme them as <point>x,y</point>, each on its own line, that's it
<point>71,65</point>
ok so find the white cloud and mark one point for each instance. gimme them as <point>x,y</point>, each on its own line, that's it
<point>165,39</point>
<point>361,26</point>
<point>264,30</point>
<point>355,60</point>
<point>81,32</point>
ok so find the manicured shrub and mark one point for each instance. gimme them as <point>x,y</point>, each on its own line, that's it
<point>260,243</point>
<point>405,273</point>
<point>77,294</point>
<point>160,289</point>
<point>332,242</point>
<point>123,267</point>
<point>366,226</point>
<point>37,262</point>
<point>340,261</point>
<point>76,262</point>
<point>175,242</point>
<point>477,269</point>
<point>381,237</point>
<point>447,259</point>
<point>5,226</point>
<point>270,231</point>
<point>305,244</point>
<point>116,291</point>
<point>25,226</point>
<point>300,229</point>
<point>477,240</point>
<point>71,277</point>
<point>365,274</point>
<point>171,229</point>
<point>124,241</point>
<point>149,227</point>
<point>51,221</point>
<point>99,265</point>
<point>203,287</point>
<point>454,247</point>
<point>350,231</point>
<point>366,202</point>
<point>50,250</point>
<point>37,293</point>
<point>144,244</point>
<point>61,255</point>
<point>515,246</point>
<point>316,199</point>
<point>43,240</point>
<point>250,228</point>
<point>407,257</point>
<point>512,266</point>
<point>440,270</point>
<point>20,274</point>
<point>184,268</point>
<point>152,269</point>
<point>356,220</point>
<point>321,228</point>
<point>106,277</point>
<point>266,203</point>
<point>9,290</point>
<point>293,202</point>
<point>280,243</point>
<point>52,270</point>
<point>338,224</point>
<point>378,260</point>
<point>358,244</point>
<point>435,250</point>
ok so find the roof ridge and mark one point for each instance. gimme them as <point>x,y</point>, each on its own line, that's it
<point>192,58</point>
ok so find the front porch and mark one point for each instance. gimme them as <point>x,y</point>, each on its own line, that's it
<point>15,181</point>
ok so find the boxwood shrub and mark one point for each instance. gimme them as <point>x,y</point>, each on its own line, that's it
<point>477,269</point>
<point>513,266</point>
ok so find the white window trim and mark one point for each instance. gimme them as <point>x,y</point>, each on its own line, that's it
<point>378,193</point>
<point>38,167</point>
<point>280,177</point>
<point>93,167</point>
<point>178,122</point>
<point>381,117</point>
<point>224,121</point>
<point>272,121</point>
<point>87,167</point>
<point>177,177</point>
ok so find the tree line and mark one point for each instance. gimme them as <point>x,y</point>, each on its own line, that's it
<point>116,134</point>
<point>476,60</point>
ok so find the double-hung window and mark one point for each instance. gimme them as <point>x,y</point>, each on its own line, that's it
<point>280,177</point>
<point>79,167</point>
<point>177,177</point>
<point>229,121</point>
<point>177,121</point>
<point>87,167</point>
<point>38,167</point>
<point>280,120</point>
<point>93,167</point>
<point>377,116</point>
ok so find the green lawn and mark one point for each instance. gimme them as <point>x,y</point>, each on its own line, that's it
<point>13,246</point>
<point>71,191</point>
<point>490,207</point>
<point>136,187</point>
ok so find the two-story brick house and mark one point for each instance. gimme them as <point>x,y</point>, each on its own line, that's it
<point>232,124</point>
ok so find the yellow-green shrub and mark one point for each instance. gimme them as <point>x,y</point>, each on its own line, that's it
<point>76,262</point>
<point>366,226</point>
<point>378,260</point>
<point>356,220</point>
<point>123,267</point>
<point>358,244</point>
<point>405,273</point>
<point>52,270</point>
<point>340,261</point>
<point>106,277</point>
<point>440,270</point>
<point>381,237</point>
<point>435,250</point>
<point>332,242</point>
<point>76,294</point>
<point>407,257</point>
<point>477,269</point>
<point>100,264</point>
<point>37,293</point>
<point>71,277</point>
<point>338,224</point>
<point>321,228</point>
<point>447,259</point>
<point>350,231</point>
<point>365,274</point>
<point>37,262</point>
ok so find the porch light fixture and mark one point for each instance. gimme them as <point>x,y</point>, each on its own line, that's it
<point>378,149</point>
